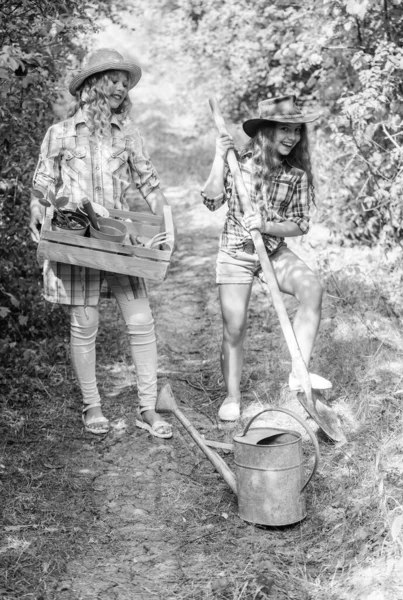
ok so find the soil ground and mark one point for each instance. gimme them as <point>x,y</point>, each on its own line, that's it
<point>127,516</point>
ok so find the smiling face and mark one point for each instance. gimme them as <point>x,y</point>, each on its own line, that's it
<point>286,137</point>
<point>119,87</point>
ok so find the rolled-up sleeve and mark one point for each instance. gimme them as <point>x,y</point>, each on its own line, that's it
<point>215,203</point>
<point>144,174</point>
<point>298,210</point>
<point>47,172</point>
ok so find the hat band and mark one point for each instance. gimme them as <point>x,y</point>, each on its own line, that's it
<point>271,117</point>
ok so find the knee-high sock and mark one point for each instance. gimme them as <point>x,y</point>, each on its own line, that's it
<point>144,352</point>
<point>83,333</point>
<point>140,326</point>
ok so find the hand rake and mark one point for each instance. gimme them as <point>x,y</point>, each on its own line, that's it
<point>160,238</point>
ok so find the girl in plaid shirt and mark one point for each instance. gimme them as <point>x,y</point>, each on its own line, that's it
<point>276,169</point>
<point>98,153</point>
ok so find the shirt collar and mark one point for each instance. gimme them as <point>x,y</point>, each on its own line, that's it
<point>78,118</point>
<point>284,165</point>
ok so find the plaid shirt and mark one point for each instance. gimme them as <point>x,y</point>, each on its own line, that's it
<point>287,200</point>
<point>75,164</point>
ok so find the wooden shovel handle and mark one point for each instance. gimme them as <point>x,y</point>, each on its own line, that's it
<point>166,403</point>
<point>299,365</point>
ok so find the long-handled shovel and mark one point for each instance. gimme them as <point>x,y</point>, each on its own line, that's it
<point>322,414</point>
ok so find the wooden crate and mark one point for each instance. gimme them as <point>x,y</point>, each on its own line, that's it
<point>109,256</point>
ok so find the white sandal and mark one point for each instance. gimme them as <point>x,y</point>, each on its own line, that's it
<point>88,423</point>
<point>158,429</point>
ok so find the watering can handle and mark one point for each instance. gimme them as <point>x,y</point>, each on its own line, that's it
<point>304,425</point>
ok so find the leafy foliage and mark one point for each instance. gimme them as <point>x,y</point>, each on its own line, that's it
<point>344,56</point>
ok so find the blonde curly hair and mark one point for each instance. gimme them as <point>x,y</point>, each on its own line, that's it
<point>92,98</point>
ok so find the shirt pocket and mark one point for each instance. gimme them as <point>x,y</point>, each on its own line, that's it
<point>117,160</point>
<point>281,194</point>
<point>75,159</point>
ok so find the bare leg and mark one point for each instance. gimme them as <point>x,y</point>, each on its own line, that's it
<point>296,278</point>
<point>234,300</point>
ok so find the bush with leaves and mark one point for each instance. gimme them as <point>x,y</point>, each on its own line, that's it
<point>369,129</point>
<point>346,56</point>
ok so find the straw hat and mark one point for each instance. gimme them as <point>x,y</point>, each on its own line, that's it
<point>104,59</point>
<point>282,109</point>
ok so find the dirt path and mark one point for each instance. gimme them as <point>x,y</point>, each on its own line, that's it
<point>160,522</point>
<point>148,495</point>
<point>163,523</point>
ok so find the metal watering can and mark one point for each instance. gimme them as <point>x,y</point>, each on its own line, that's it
<point>269,477</point>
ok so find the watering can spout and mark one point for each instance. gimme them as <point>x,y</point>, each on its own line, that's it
<point>166,403</point>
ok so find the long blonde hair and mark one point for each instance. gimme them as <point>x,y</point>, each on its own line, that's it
<point>265,161</point>
<point>92,98</point>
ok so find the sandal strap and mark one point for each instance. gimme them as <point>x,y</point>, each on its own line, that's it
<point>161,424</point>
<point>96,420</point>
<point>88,406</point>
<point>142,409</point>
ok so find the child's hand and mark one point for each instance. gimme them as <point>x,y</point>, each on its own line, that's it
<point>35,225</point>
<point>224,143</point>
<point>254,221</point>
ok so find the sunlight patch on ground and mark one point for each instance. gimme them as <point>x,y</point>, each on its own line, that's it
<point>348,416</point>
<point>15,544</point>
<point>387,575</point>
<point>119,426</point>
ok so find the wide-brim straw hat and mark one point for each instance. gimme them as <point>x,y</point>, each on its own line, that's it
<point>282,109</point>
<point>104,59</point>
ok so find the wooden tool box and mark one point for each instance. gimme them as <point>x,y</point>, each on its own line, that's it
<point>125,258</point>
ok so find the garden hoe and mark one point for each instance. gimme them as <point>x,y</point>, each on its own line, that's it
<point>322,414</point>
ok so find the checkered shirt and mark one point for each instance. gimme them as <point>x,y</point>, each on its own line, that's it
<point>75,164</point>
<point>287,200</point>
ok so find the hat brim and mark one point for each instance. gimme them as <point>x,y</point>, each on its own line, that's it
<point>131,68</point>
<point>252,125</point>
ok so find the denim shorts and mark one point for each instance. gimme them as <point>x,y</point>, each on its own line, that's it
<point>240,266</point>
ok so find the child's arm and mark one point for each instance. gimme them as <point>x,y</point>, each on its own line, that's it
<point>156,201</point>
<point>212,190</point>
<point>284,229</point>
<point>145,176</point>
<point>46,175</point>
<point>297,217</point>
<point>37,214</point>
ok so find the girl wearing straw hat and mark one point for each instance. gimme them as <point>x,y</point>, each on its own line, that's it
<point>98,153</point>
<point>276,168</point>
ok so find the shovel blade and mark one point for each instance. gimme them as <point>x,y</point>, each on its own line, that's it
<point>166,401</point>
<point>323,415</point>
